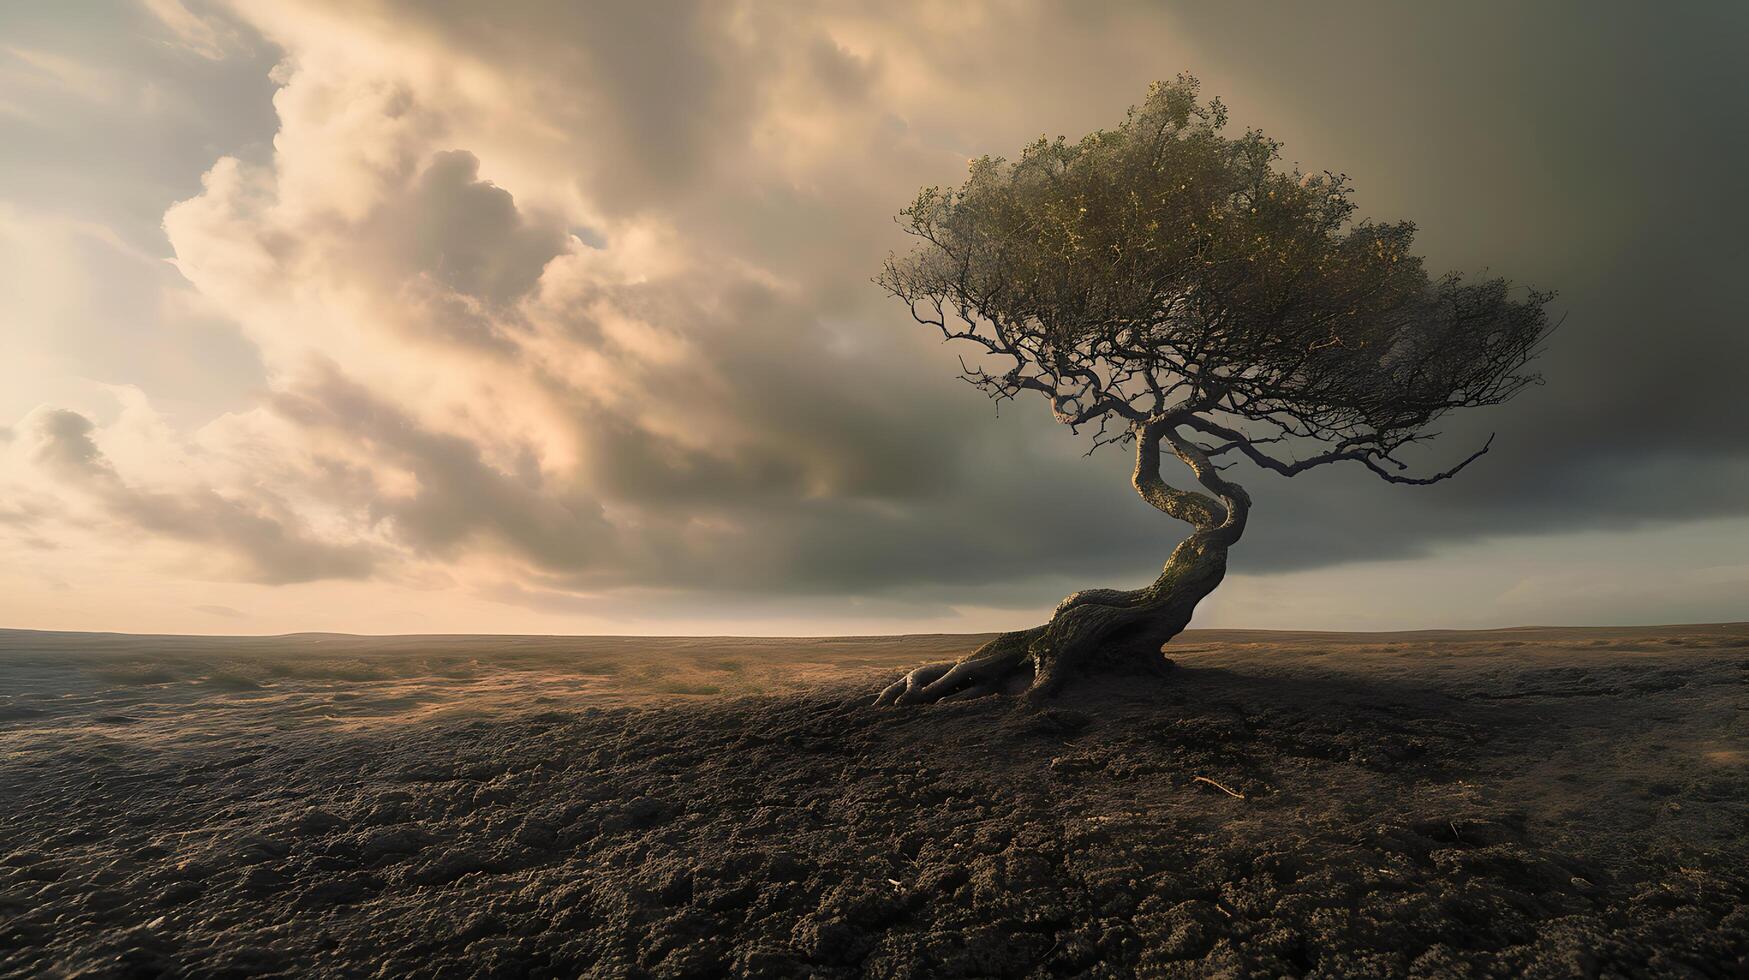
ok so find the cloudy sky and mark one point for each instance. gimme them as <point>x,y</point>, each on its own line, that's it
<point>433,316</point>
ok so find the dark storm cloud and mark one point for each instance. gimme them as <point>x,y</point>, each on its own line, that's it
<point>1587,154</point>
<point>758,421</point>
<point>1592,153</point>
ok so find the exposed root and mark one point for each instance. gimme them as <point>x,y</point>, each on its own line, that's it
<point>1093,630</point>
<point>997,667</point>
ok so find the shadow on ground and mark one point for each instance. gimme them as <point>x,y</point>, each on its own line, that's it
<point>1399,809</point>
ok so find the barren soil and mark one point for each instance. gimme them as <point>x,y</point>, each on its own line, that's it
<point>1537,802</point>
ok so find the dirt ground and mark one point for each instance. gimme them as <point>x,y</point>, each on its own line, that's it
<point>1537,802</point>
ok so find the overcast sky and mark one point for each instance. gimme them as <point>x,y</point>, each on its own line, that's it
<point>416,316</point>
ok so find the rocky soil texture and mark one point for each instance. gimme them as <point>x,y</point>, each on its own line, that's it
<point>1515,803</point>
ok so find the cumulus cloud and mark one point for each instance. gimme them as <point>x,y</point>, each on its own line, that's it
<point>663,411</point>
<point>560,302</point>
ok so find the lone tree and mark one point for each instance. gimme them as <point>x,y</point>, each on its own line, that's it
<point>1167,284</point>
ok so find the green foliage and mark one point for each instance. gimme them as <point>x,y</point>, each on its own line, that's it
<point>1166,267</point>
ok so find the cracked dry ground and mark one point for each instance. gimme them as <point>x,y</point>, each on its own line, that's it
<point>1407,809</point>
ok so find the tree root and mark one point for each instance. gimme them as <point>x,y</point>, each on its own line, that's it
<point>997,667</point>
<point>1093,630</point>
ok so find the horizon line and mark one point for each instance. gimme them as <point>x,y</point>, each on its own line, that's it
<point>13,631</point>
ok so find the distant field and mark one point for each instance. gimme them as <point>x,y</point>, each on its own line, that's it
<point>146,683</point>
<point>165,683</point>
<point>1526,802</point>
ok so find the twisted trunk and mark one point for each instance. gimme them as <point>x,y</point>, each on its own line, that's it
<point>1107,629</point>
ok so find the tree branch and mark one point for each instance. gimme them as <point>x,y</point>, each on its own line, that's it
<point>1367,456</point>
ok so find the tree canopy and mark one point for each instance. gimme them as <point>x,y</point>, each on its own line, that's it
<point>1164,270</point>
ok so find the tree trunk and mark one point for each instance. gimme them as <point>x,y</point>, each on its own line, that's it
<point>1100,630</point>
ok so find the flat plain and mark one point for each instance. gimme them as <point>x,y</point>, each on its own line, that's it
<point>1527,802</point>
